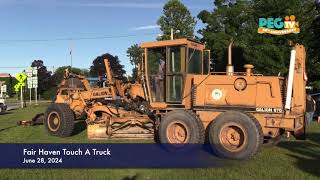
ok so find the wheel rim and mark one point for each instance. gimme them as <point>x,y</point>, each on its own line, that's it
<point>233,137</point>
<point>53,121</point>
<point>177,132</point>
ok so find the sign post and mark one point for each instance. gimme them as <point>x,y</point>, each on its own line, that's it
<point>21,97</point>
<point>30,93</point>
<point>21,77</point>
<point>29,82</point>
<point>35,86</point>
<point>32,73</point>
<point>35,82</point>
<point>36,92</point>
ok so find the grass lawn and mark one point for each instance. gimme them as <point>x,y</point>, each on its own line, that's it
<point>291,159</point>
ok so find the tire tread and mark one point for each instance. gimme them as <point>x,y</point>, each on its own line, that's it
<point>66,119</point>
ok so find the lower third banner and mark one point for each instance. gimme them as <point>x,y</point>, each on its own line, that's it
<point>107,156</point>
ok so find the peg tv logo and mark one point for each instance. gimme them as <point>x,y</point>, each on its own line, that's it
<point>278,26</point>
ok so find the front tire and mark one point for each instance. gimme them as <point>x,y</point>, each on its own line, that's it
<point>59,120</point>
<point>181,127</point>
<point>235,135</point>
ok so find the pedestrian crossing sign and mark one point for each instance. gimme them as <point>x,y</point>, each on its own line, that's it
<point>21,77</point>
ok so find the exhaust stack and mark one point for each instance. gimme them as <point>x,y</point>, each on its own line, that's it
<point>290,80</point>
<point>229,68</point>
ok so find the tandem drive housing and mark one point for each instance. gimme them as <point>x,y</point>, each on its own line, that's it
<point>66,152</point>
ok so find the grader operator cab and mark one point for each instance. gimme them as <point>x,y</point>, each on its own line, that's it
<point>177,99</point>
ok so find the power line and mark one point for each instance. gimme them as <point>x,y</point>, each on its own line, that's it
<point>22,67</point>
<point>12,67</point>
<point>74,38</point>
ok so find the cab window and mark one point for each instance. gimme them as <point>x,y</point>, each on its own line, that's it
<point>176,68</point>
<point>156,73</point>
<point>194,61</point>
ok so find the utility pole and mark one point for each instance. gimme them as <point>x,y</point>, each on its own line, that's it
<point>71,58</point>
<point>173,32</point>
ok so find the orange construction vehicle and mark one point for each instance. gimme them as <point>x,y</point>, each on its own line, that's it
<point>177,99</point>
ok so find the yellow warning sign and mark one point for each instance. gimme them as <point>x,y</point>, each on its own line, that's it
<point>21,77</point>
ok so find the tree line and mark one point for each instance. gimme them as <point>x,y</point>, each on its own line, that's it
<point>49,81</point>
<point>228,20</point>
<point>237,20</point>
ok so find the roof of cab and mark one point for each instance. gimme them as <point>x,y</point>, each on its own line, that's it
<point>174,42</point>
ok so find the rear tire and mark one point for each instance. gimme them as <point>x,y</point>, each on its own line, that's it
<point>235,135</point>
<point>59,120</point>
<point>181,127</point>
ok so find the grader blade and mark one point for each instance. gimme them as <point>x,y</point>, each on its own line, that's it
<point>100,131</point>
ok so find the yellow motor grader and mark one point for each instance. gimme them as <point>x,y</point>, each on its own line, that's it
<point>177,99</point>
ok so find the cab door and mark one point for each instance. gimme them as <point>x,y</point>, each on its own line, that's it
<point>176,58</point>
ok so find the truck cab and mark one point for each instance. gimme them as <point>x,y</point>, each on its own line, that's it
<point>167,64</point>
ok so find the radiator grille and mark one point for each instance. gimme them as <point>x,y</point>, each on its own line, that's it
<point>283,89</point>
<point>194,94</point>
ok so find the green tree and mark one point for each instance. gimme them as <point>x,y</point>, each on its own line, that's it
<point>44,75</point>
<point>57,76</point>
<point>312,38</point>
<point>56,79</point>
<point>178,17</point>
<point>238,20</point>
<point>98,68</point>
<point>135,54</point>
<point>227,21</point>
<point>10,82</point>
